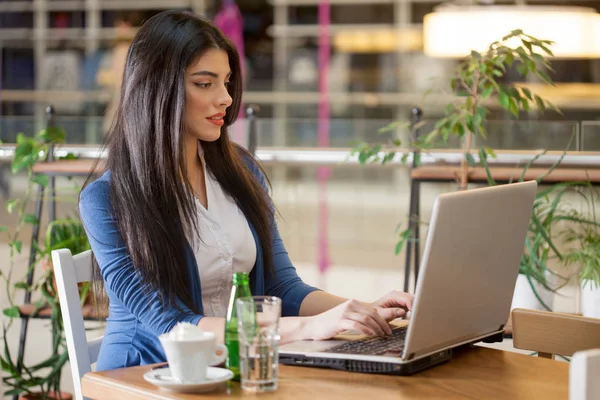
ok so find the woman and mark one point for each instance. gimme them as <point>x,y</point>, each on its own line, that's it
<point>181,208</point>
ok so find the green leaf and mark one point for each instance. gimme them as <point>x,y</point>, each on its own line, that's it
<point>454,84</point>
<point>388,157</point>
<point>540,103</point>
<point>545,77</point>
<point>470,124</point>
<point>470,160</point>
<point>516,32</point>
<point>539,58</point>
<point>510,59</point>
<point>17,245</point>
<point>52,135</point>
<point>441,123</point>
<point>363,156</point>
<point>479,117</point>
<point>546,49</point>
<point>399,247</point>
<point>530,66</point>
<point>449,108</point>
<point>504,100</point>
<point>26,153</point>
<point>3,228</point>
<point>482,131</point>
<point>30,219</point>
<point>499,62</point>
<point>475,54</point>
<point>487,92</point>
<point>489,151</point>
<point>514,92</point>
<point>404,158</point>
<point>417,159</point>
<point>527,44</point>
<point>6,367</point>
<point>514,108</point>
<point>11,204</point>
<point>13,392</point>
<point>488,173</point>
<point>525,105</point>
<point>21,285</point>
<point>527,93</point>
<point>404,237</point>
<point>458,128</point>
<point>41,180</point>
<point>553,107</point>
<point>69,156</point>
<point>12,312</point>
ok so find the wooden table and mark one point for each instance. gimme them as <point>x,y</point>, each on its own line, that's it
<point>476,373</point>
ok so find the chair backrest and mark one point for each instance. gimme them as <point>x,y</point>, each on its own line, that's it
<point>552,333</point>
<point>70,270</point>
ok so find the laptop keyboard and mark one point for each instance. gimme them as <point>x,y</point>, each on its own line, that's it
<point>379,345</point>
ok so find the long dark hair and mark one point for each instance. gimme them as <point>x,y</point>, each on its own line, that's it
<point>149,190</point>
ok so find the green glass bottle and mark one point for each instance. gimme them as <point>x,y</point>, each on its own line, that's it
<point>240,288</point>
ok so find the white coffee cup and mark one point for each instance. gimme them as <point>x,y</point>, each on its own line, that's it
<point>190,351</point>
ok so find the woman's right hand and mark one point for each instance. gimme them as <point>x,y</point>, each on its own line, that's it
<point>350,315</point>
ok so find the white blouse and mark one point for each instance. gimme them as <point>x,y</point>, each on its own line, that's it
<point>225,246</point>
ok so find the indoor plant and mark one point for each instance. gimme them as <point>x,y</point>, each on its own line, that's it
<point>584,254</point>
<point>42,380</point>
<point>477,81</point>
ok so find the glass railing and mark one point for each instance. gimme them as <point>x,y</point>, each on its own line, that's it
<point>342,133</point>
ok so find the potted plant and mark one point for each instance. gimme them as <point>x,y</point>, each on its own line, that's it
<point>584,254</point>
<point>477,81</point>
<point>42,380</point>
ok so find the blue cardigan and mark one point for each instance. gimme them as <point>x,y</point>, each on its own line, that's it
<point>136,319</point>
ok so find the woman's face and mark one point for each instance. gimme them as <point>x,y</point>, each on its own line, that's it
<point>206,95</point>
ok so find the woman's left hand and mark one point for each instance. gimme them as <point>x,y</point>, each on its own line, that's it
<point>394,305</point>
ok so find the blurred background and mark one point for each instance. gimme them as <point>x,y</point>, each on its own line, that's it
<point>322,75</point>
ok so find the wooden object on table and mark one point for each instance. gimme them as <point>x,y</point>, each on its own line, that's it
<point>551,333</point>
<point>475,373</point>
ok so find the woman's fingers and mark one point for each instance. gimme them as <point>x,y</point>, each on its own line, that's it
<point>381,321</point>
<point>368,317</point>
<point>390,314</point>
<point>351,325</point>
<point>368,321</point>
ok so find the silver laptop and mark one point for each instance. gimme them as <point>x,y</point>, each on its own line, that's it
<point>464,290</point>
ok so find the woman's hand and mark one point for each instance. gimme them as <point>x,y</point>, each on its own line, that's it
<point>394,305</point>
<point>350,315</point>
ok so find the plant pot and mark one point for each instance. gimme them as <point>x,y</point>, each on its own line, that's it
<point>524,297</point>
<point>590,300</point>
<point>50,396</point>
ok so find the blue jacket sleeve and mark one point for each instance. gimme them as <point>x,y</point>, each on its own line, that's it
<point>286,284</point>
<point>122,282</point>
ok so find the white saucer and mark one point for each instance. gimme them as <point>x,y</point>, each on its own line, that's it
<point>161,377</point>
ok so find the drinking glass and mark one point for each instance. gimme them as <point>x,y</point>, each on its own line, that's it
<point>258,331</point>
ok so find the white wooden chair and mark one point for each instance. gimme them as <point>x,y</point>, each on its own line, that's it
<point>70,270</point>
